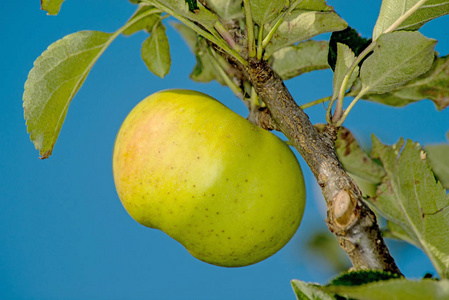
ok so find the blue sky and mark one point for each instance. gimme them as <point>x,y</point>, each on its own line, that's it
<point>63,231</point>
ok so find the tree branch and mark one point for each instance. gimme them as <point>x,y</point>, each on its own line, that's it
<point>348,217</point>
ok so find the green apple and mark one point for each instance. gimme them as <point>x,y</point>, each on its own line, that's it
<point>230,192</point>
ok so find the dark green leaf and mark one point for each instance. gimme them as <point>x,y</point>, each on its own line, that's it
<point>433,85</point>
<point>309,291</point>
<point>348,37</point>
<point>193,5</point>
<point>54,80</point>
<point>51,6</point>
<point>360,277</point>
<point>298,59</point>
<point>392,10</point>
<point>438,156</point>
<point>156,51</point>
<point>410,197</point>
<point>145,23</point>
<point>398,57</point>
<point>394,289</point>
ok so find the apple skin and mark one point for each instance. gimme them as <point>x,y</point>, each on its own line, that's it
<point>230,192</point>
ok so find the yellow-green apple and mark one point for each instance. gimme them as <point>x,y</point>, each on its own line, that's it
<point>230,192</point>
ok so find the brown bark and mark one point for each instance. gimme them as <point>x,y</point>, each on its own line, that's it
<point>348,217</point>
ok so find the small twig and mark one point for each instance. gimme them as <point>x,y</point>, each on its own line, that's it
<point>346,111</point>
<point>315,102</point>
<point>227,36</point>
<point>234,88</point>
<point>249,29</point>
<point>273,30</point>
<point>339,107</point>
<point>259,43</point>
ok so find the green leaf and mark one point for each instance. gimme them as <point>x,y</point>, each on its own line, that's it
<point>204,70</point>
<point>52,7</point>
<point>309,291</point>
<point>145,23</point>
<point>263,11</point>
<point>367,173</point>
<point>438,156</point>
<point>301,25</point>
<point>316,5</point>
<point>394,289</point>
<point>298,59</point>
<point>392,10</point>
<point>156,51</point>
<point>410,197</point>
<point>227,9</point>
<point>345,58</point>
<point>351,38</point>
<point>398,57</point>
<point>202,16</point>
<point>433,85</point>
<point>360,277</point>
<point>54,80</point>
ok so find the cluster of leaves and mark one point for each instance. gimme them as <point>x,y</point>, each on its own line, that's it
<point>398,182</point>
<point>401,68</point>
<point>372,285</point>
<point>58,74</point>
<point>397,66</point>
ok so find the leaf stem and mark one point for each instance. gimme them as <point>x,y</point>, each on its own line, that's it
<point>351,105</point>
<point>259,43</point>
<point>226,36</point>
<point>273,30</point>
<point>407,14</point>
<point>339,117</point>
<point>249,29</point>
<point>339,107</point>
<point>128,24</point>
<point>234,88</point>
<point>132,21</point>
<point>315,102</point>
